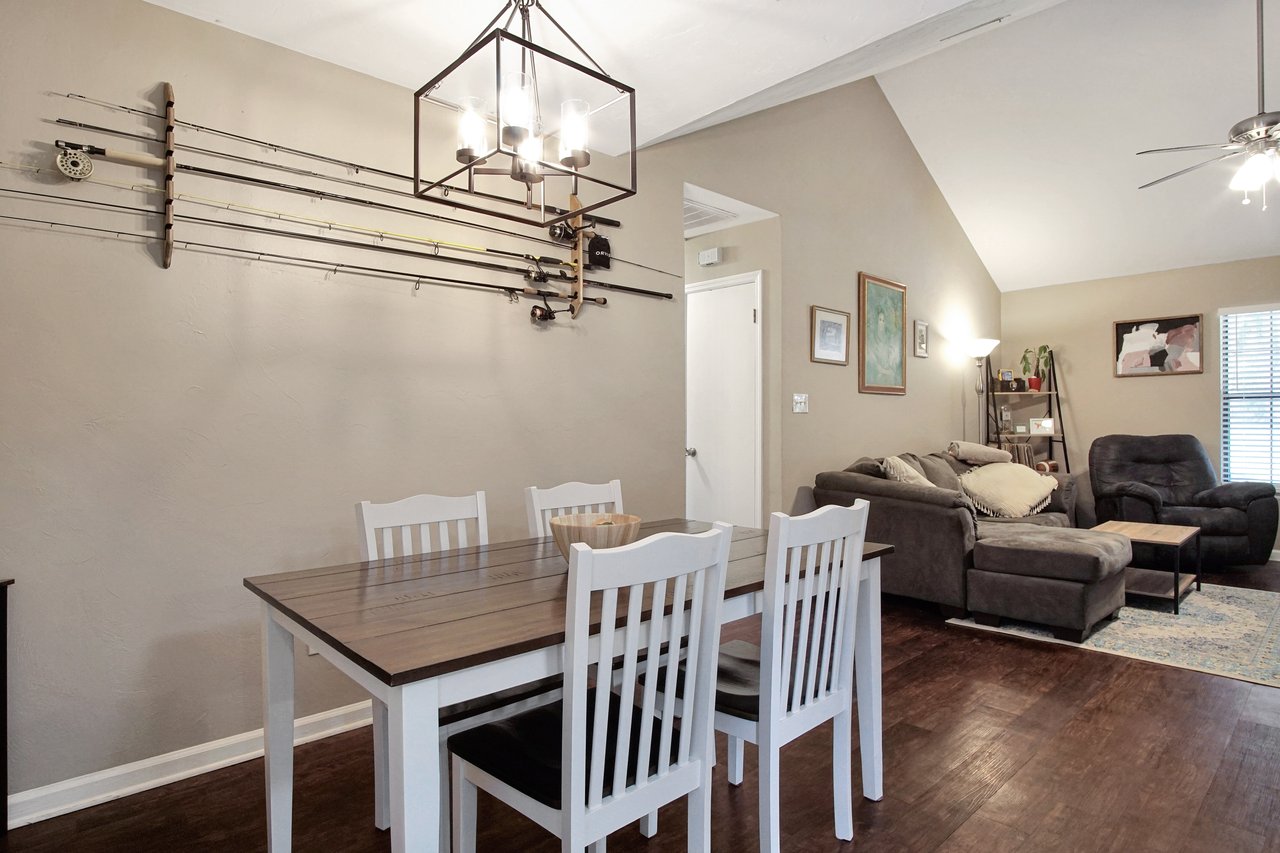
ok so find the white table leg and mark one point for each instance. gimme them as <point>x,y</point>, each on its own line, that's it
<point>868,661</point>
<point>277,725</point>
<point>413,758</point>
<point>381,777</point>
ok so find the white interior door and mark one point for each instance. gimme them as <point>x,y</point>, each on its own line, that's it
<point>723,478</point>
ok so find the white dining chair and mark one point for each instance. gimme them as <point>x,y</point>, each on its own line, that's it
<point>596,762</point>
<point>802,673</point>
<point>543,505</point>
<point>423,524</point>
<point>420,524</point>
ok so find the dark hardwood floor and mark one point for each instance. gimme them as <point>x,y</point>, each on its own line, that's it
<point>992,744</point>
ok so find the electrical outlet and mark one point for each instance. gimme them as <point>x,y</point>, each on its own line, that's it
<point>800,404</point>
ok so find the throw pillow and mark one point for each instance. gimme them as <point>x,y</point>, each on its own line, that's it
<point>977,454</point>
<point>1008,490</point>
<point>897,469</point>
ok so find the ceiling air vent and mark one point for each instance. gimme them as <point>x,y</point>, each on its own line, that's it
<point>707,217</point>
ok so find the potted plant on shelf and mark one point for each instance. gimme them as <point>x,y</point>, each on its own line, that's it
<point>1035,366</point>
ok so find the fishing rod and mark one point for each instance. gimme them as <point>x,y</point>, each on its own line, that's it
<point>196,149</point>
<point>312,262</point>
<point>358,167</point>
<point>536,274</point>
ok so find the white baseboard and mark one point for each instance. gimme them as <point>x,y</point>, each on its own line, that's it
<point>83,791</point>
<point>1275,556</point>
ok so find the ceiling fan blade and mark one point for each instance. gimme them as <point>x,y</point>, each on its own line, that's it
<point>1225,146</point>
<point>1191,169</point>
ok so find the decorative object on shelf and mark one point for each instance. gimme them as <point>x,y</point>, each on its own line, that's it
<point>596,529</point>
<point>1041,426</point>
<point>1006,379</point>
<point>1159,347</point>
<point>882,344</point>
<point>828,336</point>
<point>1258,136</point>
<point>525,117</point>
<point>922,339</point>
<point>979,349</point>
<point>1018,386</point>
<point>1047,466</point>
<point>1035,364</point>
<point>1020,429</point>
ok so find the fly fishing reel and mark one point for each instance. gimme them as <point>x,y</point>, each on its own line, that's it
<point>76,165</point>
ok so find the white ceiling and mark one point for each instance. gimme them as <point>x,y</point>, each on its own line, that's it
<point>1028,125</point>
<point>1031,131</point>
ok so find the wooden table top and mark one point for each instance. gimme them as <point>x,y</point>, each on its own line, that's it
<point>1153,534</point>
<point>411,618</point>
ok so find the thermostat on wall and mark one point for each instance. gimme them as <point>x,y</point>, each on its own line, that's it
<point>709,257</point>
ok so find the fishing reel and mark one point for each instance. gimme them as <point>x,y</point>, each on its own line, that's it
<point>563,232</point>
<point>75,162</point>
<point>544,313</point>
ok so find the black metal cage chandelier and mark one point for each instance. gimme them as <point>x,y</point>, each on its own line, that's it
<point>526,119</point>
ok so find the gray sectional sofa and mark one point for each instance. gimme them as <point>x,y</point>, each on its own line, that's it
<point>1039,568</point>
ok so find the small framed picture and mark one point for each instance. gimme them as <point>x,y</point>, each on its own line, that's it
<point>922,339</point>
<point>1006,375</point>
<point>828,336</point>
<point>1020,429</point>
<point>1041,426</point>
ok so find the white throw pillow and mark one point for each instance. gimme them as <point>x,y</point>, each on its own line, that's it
<point>896,469</point>
<point>1007,489</point>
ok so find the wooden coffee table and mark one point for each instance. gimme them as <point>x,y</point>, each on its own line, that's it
<point>1149,582</point>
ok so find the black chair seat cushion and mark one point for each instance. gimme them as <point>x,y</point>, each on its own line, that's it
<point>738,680</point>
<point>524,749</point>
<point>1212,521</point>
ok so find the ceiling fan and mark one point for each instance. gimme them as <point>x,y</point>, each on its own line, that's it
<point>1257,136</point>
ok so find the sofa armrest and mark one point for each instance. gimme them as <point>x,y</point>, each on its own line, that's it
<point>864,485</point>
<point>1063,498</point>
<point>1235,495</point>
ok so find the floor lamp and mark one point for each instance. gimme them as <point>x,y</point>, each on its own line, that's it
<point>979,349</point>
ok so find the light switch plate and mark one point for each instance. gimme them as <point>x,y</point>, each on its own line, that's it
<point>800,404</point>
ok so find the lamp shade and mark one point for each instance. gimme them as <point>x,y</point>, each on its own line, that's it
<point>981,347</point>
<point>1253,173</point>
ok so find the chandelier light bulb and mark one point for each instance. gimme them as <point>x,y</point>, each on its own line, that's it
<point>573,133</point>
<point>524,166</point>
<point>472,131</point>
<point>1254,173</point>
<point>515,102</point>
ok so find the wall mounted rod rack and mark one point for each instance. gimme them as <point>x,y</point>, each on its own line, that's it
<point>357,167</point>
<point>239,158</point>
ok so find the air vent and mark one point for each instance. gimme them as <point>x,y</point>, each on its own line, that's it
<point>706,216</point>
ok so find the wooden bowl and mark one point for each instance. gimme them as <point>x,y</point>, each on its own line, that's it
<point>596,529</point>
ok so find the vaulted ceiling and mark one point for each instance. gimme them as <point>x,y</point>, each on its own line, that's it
<point>1026,112</point>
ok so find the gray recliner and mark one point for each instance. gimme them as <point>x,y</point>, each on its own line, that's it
<point>1168,479</point>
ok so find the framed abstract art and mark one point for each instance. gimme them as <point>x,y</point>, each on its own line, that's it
<point>1163,346</point>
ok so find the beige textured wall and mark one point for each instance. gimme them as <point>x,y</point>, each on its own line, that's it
<point>1076,321</point>
<point>747,248</point>
<point>164,434</point>
<point>863,201</point>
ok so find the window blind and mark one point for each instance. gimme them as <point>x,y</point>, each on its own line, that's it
<point>1251,394</point>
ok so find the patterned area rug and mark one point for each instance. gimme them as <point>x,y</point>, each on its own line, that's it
<point>1221,630</point>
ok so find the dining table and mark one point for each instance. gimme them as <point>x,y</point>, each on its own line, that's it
<point>423,632</point>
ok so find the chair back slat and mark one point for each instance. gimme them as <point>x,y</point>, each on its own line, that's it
<point>632,584</point>
<point>811,589</point>
<point>542,505</point>
<point>406,527</point>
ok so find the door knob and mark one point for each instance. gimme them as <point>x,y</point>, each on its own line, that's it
<point>691,451</point>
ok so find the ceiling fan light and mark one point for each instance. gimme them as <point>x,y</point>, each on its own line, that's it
<point>1254,173</point>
